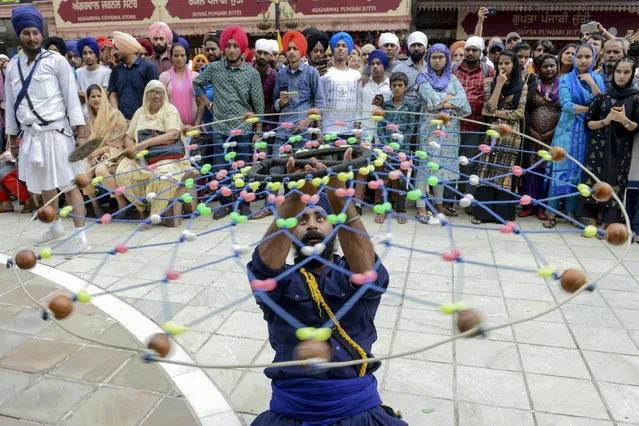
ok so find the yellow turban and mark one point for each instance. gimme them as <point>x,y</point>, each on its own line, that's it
<point>126,43</point>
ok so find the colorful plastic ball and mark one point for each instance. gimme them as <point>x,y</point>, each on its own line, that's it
<point>432,180</point>
<point>463,160</point>
<point>313,349</point>
<point>558,153</point>
<point>572,280</point>
<point>525,200</point>
<point>617,234</point>
<point>473,180</point>
<point>26,259</point>
<point>465,202</point>
<point>46,214</point>
<point>61,306</point>
<point>160,343</point>
<point>81,180</point>
<point>467,319</point>
<point>601,191</point>
<point>155,218</point>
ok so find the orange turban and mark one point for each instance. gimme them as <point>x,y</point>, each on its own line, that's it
<point>458,44</point>
<point>237,34</point>
<point>126,43</point>
<point>298,39</point>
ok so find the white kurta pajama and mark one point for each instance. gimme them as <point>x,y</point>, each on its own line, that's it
<point>44,150</point>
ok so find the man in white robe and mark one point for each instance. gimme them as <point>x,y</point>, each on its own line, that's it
<point>46,117</point>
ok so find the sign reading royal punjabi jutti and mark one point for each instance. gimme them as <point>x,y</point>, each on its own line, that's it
<point>554,25</point>
<point>70,12</point>
<point>211,9</point>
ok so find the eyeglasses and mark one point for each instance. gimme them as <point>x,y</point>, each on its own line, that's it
<point>438,58</point>
<point>159,93</point>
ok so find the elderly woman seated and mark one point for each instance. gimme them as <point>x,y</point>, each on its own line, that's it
<point>107,123</point>
<point>155,127</point>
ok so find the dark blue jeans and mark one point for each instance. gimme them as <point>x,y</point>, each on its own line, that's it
<point>216,150</point>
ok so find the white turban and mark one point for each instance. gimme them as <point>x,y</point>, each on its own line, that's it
<point>417,37</point>
<point>275,47</point>
<point>263,45</point>
<point>475,41</point>
<point>386,38</point>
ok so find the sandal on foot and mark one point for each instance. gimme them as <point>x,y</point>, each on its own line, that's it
<point>475,221</point>
<point>381,218</point>
<point>549,223</point>
<point>451,212</point>
<point>402,220</point>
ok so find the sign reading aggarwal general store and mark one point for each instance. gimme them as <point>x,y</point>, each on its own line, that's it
<point>108,12</point>
<point>551,25</point>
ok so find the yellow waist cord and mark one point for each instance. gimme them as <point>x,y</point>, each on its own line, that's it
<point>319,299</point>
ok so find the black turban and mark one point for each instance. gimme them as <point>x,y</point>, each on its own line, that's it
<point>57,42</point>
<point>313,36</point>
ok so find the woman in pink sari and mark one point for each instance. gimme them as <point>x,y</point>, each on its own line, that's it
<point>179,84</point>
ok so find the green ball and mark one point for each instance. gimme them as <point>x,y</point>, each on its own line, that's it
<point>187,198</point>
<point>379,209</point>
<point>280,223</point>
<point>342,217</point>
<point>395,145</point>
<point>413,195</point>
<point>332,219</point>
<point>291,222</point>
<point>387,206</point>
<point>351,140</point>
<point>189,183</point>
<point>205,169</point>
<point>432,181</point>
<point>421,154</point>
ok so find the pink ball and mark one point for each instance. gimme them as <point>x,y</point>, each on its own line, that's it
<point>340,123</point>
<point>405,165</point>
<point>121,248</point>
<point>120,190</point>
<point>105,219</point>
<point>236,132</point>
<point>393,127</point>
<point>226,192</point>
<point>306,198</point>
<point>517,171</point>
<point>266,285</point>
<point>439,133</point>
<point>340,192</point>
<point>452,256</point>
<point>394,175</point>
<point>340,142</point>
<point>525,200</point>
<point>192,147</point>
<point>401,156</point>
<point>484,148</point>
<point>287,125</point>
<point>172,274</point>
<point>213,185</point>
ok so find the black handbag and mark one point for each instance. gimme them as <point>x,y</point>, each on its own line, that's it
<point>173,151</point>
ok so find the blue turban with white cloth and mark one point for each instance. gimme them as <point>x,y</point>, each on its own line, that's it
<point>378,54</point>
<point>26,17</point>
<point>89,42</point>
<point>342,36</point>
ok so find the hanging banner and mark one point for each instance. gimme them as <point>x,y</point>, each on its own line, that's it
<point>212,9</point>
<point>339,7</point>
<point>548,25</point>
<point>105,12</point>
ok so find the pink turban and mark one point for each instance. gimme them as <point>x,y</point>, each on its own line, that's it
<point>235,33</point>
<point>161,29</point>
<point>126,43</point>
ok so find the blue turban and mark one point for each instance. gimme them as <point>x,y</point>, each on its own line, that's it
<point>378,54</point>
<point>342,36</point>
<point>26,17</point>
<point>72,46</point>
<point>324,204</point>
<point>88,42</point>
<point>185,43</point>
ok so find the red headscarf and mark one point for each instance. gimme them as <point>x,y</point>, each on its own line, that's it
<point>298,39</point>
<point>103,41</point>
<point>147,45</point>
<point>235,33</point>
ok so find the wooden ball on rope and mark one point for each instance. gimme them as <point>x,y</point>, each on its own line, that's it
<point>602,191</point>
<point>313,349</point>
<point>81,180</point>
<point>504,130</point>
<point>160,343</point>
<point>467,319</point>
<point>558,153</point>
<point>26,259</point>
<point>617,234</point>
<point>46,214</point>
<point>61,306</point>
<point>572,280</point>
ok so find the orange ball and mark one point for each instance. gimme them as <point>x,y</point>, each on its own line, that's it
<point>443,117</point>
<point>309,349</point>
<point>617,234</point>
<point>61,306</point>
<point>558,153</point>
<point>467,319</point>
<point>572,280</point>
<point>81,180</point>
<point>26,259</point>
<point>160,343</point>
<point>46,214</point>
<point>504,130</point>
<point>602,191</point>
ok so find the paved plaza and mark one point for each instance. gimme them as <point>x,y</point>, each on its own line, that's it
<point>575,366</point>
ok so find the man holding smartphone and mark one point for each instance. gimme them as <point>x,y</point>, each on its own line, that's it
<point>317,42</point>
<point>298,88</point>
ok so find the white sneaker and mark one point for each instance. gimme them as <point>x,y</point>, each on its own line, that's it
<point>75,247</point>
<point>49,237</point>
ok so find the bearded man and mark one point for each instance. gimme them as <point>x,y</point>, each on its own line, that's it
<point>161,38</point>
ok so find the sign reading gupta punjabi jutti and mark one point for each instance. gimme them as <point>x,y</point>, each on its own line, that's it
<point>537,25</point>
<point>71,12</point>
